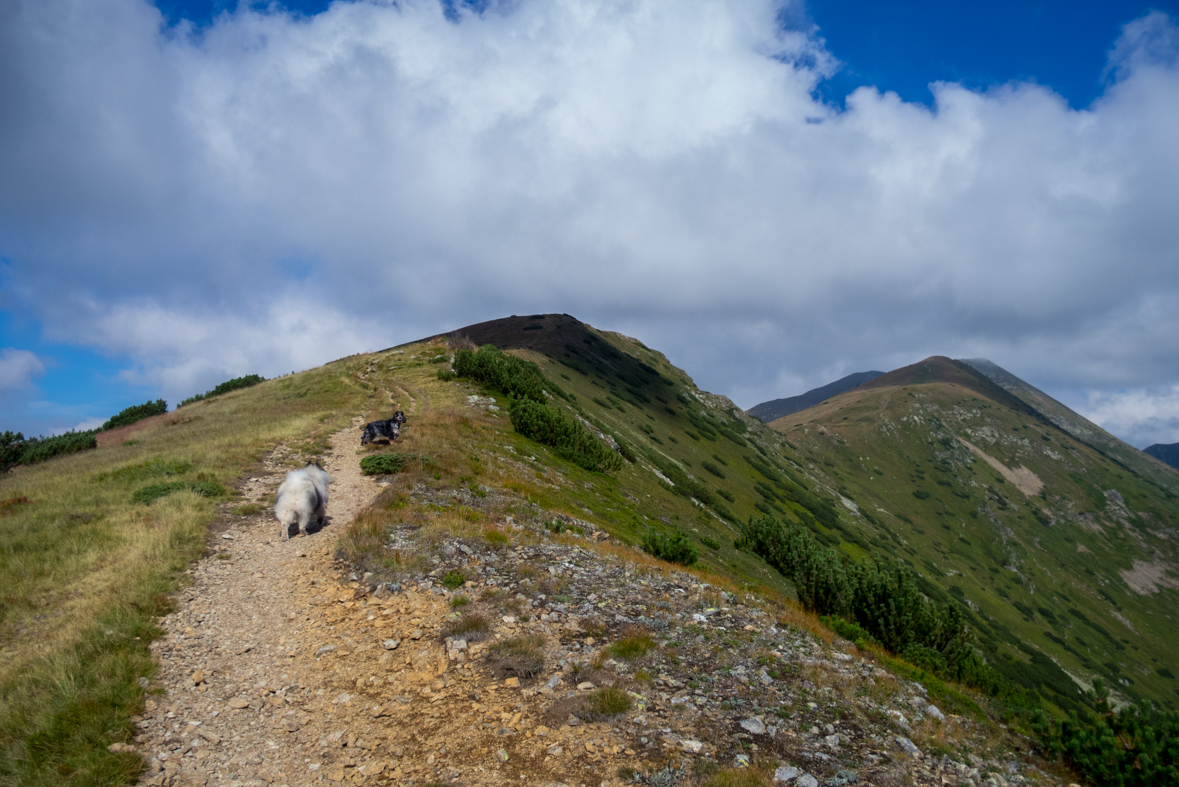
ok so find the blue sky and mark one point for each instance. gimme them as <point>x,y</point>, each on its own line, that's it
<point>776,195</point>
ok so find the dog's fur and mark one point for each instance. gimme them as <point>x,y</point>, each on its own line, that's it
<point>381,432</point>
<point>399,418</point>
<point>302,496</point>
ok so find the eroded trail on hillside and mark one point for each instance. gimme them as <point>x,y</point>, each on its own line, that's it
<point>245,701</point>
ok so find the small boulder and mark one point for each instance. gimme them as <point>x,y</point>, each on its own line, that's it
<point>754,726</point>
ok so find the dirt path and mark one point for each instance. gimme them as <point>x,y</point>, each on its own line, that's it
<point>240,706</point>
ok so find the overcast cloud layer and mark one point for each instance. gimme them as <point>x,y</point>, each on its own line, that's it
<point>271,193</point>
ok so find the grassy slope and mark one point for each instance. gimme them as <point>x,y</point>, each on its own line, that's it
<point>86,571</point>
<point>978,537</point>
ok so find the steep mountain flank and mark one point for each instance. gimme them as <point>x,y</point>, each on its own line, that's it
<point>1051,543</point>
<point>777,408</point>
<point>1077,425</point>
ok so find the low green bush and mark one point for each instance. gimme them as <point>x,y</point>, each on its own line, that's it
<point>1134,747</point>
<point>453,580</point>
<point>136,413</point>
<point>384,464</point>
<point>711,543</point>
<point>676,548</point>
<point>571,440</point>
<point>152,492</point>
<point>710,467</point>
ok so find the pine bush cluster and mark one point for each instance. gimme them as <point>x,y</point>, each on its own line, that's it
<point>225,387</point>
<point>676,548</point>
<point>135,413</point>
<point>881,597</point>
<point>16,449</point>
<point>1134,747</point>
<point>533,414</point>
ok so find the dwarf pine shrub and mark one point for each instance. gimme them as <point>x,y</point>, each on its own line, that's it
<point>225,387</point>
<point>1134,747</point>
<point>384,464</point>
<point>676,548</point>
<point>880,597</point>
<point>15,449</point>
<point>136,413</point>
<point>533,414</point>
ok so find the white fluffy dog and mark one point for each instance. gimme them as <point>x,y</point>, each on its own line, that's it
<point>303,495</point>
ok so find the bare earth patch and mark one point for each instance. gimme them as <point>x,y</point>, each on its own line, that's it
<point>1025,480</point>
<point>1148,578</point>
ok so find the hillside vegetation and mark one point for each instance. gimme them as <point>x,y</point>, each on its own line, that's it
<point>1004,537</point>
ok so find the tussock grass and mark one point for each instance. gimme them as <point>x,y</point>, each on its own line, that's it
<point>604,704</point>
<point>522,657</point>
<point>740,777</point>
<point>471,627</point>
<point>634,644</point>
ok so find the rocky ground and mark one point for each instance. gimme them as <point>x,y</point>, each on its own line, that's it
<point>515,655</point>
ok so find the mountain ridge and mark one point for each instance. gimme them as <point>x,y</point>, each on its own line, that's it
<point>777,408</point>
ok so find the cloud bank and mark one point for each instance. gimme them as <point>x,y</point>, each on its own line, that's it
<point>18,368</point>
<point>272,192</point>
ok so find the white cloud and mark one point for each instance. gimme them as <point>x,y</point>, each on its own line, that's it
<point>18,368</point>
<point>1141,417</point>
<point>181,353</point>
<point>85,426</point>
<point>274,191</point>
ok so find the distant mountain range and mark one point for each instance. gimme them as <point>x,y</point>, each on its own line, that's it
<point>1168,453</point>
<point>769,411</point>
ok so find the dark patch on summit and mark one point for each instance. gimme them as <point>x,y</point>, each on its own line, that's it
<point>544,333</point>
<point>578,347</point>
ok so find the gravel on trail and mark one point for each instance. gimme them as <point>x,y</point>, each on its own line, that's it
<point>282,666</point>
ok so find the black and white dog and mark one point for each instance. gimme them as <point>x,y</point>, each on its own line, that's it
<point>381,431</point>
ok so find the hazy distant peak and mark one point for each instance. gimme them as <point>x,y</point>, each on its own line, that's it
<point>769,411</point>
